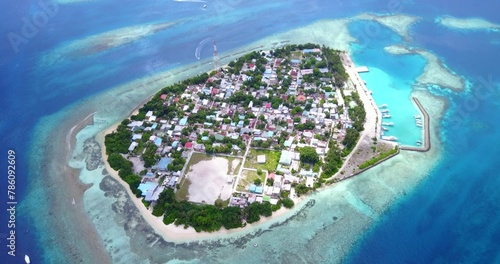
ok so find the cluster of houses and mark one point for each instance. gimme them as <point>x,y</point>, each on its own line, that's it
<point>229,127</point>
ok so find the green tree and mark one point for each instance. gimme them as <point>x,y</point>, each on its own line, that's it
<point>287,202</point>
<point>308,155</point>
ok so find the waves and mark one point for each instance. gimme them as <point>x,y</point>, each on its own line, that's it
<point>201,45</point>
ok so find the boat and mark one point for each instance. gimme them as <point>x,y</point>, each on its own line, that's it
<point>419,143</point>
<point>383,106</point>
<point>73,202</point>
<point>417,117</point>
<point>389,138</point>
<point>204,6</point>
<point>387,123</point>
<point>27,259</point>
<point>385,111</point>
<point>255,245</point>
<point>386,116</point>
<point>419,125</point>
<point>385,128</point>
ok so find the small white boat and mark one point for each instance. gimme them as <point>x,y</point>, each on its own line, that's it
<point>204,6</point>
<point>419,143</point>
<point>385,128</point>
<point>73,202</point>
<point>386,116</point>
<point>255,245</point>
<point>417,117</point>
<point>419,125</point>
<point>27,259</point>
<point>385,111</point>
<point>383,106</point>
<point>388,123</point>
<point>389,138</point>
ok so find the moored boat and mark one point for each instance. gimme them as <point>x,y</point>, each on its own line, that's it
<point>389,138</point>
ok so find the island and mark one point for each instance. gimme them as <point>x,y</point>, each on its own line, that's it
<point>225,148</point>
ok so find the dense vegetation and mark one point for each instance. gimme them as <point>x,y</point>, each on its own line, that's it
<point>125,171</point>
<point>333,160</point>
<point>209,217</point>
<point>378,158</point>
<point>118,141</point>
<point>356,113</point>
<point>335,65</point>
<point>308,155</point>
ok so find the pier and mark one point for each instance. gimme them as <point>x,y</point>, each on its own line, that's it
<point>427,136</point>
<point>361,69</point>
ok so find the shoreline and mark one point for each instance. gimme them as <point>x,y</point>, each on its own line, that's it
<point>179,234</point>
<point>62,181</point>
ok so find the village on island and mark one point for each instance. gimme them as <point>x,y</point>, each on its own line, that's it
<point>224,148</point>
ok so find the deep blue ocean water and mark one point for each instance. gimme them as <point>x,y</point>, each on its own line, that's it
<point>451,217</point>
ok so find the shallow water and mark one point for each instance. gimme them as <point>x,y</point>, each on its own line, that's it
<point>455,204</point>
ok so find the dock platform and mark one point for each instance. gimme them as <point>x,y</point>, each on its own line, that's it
<point>362,69</point>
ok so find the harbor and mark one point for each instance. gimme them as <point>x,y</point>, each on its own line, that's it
<point>426,125</point>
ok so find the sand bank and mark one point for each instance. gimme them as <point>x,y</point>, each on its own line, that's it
<point>468,23</point>
<point>435,71</point>
<point>58,184</point>
<point>401,24</point>
<point>102,42</point>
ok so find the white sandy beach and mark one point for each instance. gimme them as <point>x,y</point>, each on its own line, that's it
<point>468,23</point>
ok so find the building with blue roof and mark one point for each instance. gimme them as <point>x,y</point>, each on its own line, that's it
<point>270,134</point>
<point>158,141</point>
<point>154,126</point>
<point>286,157</point>
<point>240,123</point>
<point>163,163</point>
<point>183,121</point>
<point>258,189</point>
<point>147,186</point>
<point>175,143</point>
<point>252,188</point>
<point>136,136</point>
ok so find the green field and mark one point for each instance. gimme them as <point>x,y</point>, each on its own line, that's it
<point>296,55</point>
<point>230,169</point>
<point>247,178</point>
<point>183,192</point>
<point>272,159</point>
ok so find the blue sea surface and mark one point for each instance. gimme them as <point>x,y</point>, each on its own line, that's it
<point>451,217</point>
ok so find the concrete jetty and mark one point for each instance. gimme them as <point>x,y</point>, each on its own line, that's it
<point>427,136</point>
<point>362,69</point>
